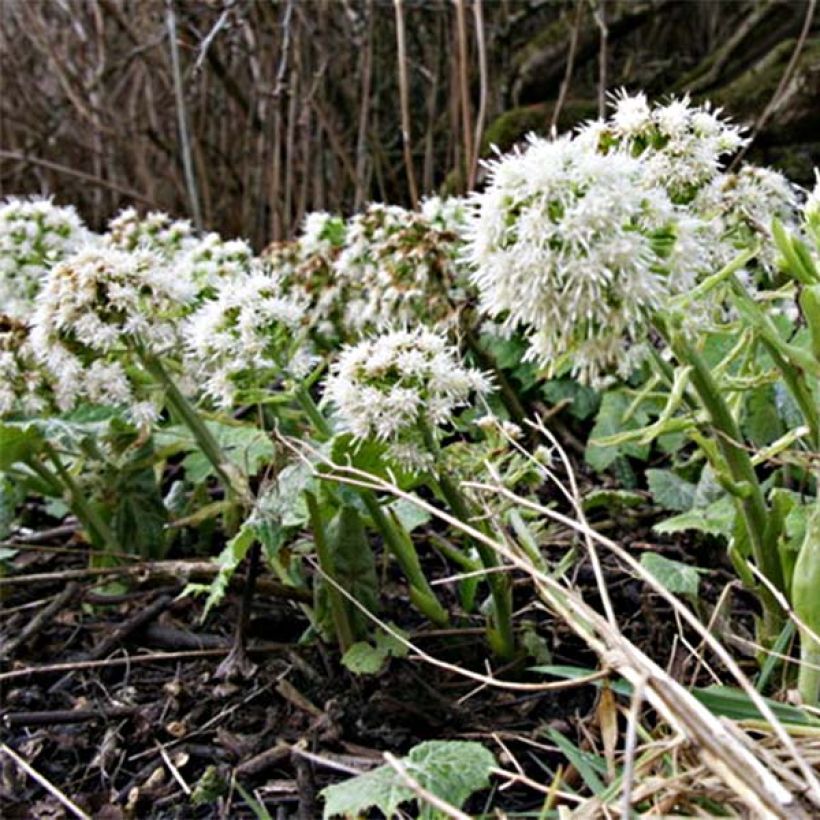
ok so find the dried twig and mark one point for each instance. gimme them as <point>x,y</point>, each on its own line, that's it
<point>47,785</point>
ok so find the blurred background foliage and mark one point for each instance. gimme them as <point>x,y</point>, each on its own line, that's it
<point>248,114</point>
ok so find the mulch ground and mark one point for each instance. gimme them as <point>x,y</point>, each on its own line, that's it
<point>114,695</point>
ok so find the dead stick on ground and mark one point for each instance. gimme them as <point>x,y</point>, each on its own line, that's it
<point>120,632</point>
<point>49,787</point>
<point>180,571</point>
<point>78,666</point>
<point>60,716</point>
<point>39,620</point>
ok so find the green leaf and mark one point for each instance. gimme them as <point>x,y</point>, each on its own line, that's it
<point>621,499</point>
<point>248,449</point>
<point>677,577</point>
<point>354,566</point>
<point>364,659</point>
<point>18,442</point>
<point>762,423</point>
<point>584,401</point>
<point>371,457</point>
<point>451,770</point>
<point>716,519</point>
<point>411,515</point>
<point>724,701</point>
<point>138,512</point>
<point>228,560</point>
<point>670,491</point>
<point>610,421</point>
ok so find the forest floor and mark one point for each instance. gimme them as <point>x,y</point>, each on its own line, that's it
<point>113,693</point>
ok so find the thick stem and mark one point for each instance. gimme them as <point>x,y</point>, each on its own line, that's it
<point>750,499</point>
<point>98,530</point>
<point>808,676</point>
<point>312,411</point>
<point>502,636</point>
<point>192,420</point>
<point>338,607</point>
<point>401,547</point>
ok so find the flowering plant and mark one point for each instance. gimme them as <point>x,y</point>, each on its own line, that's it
<point>34,235</point>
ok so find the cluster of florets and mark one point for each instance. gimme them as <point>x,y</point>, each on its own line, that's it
<point>23,388</point>
<point>34,235</point>
<point>245,338</point>
<point>683,149</point>
<point>97,313</point>
<point>393,386</point>
<point>574,248</point>
<point>156,232</point>
<point>212,260</point>
<point>682,146</point>
<point>397,267</point>
<point>304,269</point>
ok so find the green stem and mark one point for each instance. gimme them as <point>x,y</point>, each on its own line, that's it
<point>502,637</point>
<point>338,606</point>
<point>401,547</point>
<point>751,501</point>
<point>808,676</point>
<point>98,530</point>
<point>192,420</point>
<point>780,352</point>
<point>312,411</point>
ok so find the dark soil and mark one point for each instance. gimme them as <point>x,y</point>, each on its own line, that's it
<point>139,724</point>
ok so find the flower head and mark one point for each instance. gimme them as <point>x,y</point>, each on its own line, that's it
<point>34,235</point>
<point>576,249</point>
<point>23,386</point>
<point>383,387</point>
<point>398,267</point>
<point>96,311</point>
<point>245,337</point>
<point>683,146</point>
<point>156,231</point>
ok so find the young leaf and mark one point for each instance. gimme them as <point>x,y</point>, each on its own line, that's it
<point>716,519</point>
<point>364,659</point>
<point>611,420</point>
<point>670,491</point>
<point>677,577</point>
<point>451,770</point>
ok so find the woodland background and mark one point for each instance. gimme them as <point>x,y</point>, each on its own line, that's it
<point>247,115</point>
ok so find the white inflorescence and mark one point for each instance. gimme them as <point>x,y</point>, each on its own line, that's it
<point>397,267</point>
<point>245,337</point>
<point>34,235</point>
<point>573,247</point>
<point>682,145</point>
<point>23,388</point>
<point>383,387</point>
<point>156,232</point>
<point>94,309</point>
<point>212,259</point>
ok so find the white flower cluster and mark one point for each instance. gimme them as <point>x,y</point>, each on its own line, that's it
<point>23,388</point>
<point>397,267</point>
<point>682,145</point>
<point>575,249</point>
<point>740,208</point>
<point>213,259</point>
<point>246,337</point>
<point>156,232</point>
<point>304,269</point>
<point>683,148</point>
<point>383,387</point>
<point>93,310</point>
<point>34,235</point>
